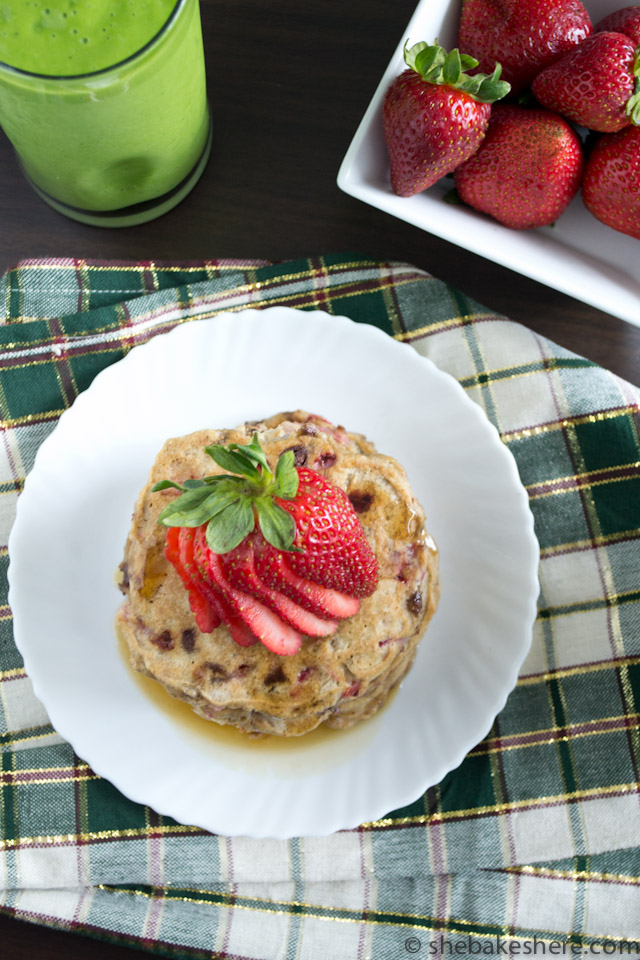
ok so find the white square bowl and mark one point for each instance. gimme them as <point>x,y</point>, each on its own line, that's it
<point>578,255</point>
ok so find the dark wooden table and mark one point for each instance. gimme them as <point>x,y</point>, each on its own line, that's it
<point>289,83</point>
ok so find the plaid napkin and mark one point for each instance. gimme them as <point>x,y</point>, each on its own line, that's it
<point>533,844</point>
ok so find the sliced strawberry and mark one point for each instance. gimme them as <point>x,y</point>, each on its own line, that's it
<point>332,548</point>
<point>274,633</point>
<point>237,627</point>
<point>239,566</point>
<point>321,601</point>
<point>205,615</point>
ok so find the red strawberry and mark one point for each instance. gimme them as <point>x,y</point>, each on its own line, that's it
<point>527,169</point>
<point>275,572</point>
<point>625,21</point>
<point>523,35</point>
<point>239,566</point>
<point>237,627</point>
<point>274,633</point>
<point>596,85</point>
<point>205,615</point>
<point>332,548</point>
<point>611,183</point>
<point>305,567</point>
<point>435,115</point>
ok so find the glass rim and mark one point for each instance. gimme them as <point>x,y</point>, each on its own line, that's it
<point>55,77</point>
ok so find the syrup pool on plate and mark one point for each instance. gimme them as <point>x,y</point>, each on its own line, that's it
<point>105,103</point>
<point>287,756</point>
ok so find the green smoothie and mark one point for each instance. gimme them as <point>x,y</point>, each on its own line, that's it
<point>105,102</point>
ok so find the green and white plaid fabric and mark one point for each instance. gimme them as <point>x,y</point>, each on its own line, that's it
<point>533,844</point>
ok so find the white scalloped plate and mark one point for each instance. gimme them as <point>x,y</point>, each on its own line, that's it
<point>72,522</point>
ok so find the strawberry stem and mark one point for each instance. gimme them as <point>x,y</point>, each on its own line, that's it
<point>435,65</point>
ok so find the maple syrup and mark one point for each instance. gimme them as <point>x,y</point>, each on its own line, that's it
<point>287,756</point>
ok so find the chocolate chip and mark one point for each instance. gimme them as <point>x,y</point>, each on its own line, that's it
<point>277,675</point>
<point>360,501</point>
<point>215,672</point>
<point>164,640</point>
<point>243,669</point>
<point>300,454</point>
<point>188,639</point>
<point>414,603</point>
<point>326,459</point>
<point>310,430</point>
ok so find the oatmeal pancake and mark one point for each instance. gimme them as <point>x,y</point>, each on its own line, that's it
<point>336,680</point>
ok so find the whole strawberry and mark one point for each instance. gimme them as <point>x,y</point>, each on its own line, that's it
<point>596,85</point>
<point>611,183</point>
<point>523,35</point>
<point>274,556</point>
<point>435,115</point>
<point>527,169</point>
<point>625,21</point>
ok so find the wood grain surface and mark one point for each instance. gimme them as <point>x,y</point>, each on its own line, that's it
<point>288,84</point>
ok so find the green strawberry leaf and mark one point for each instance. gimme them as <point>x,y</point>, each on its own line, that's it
<point>231,525</point>
<point>192,508</point>
<point>467,62</point>
<point>233,460</point>
<point>471,85</point>
<point>424,57</point>
<point>452,68</point>
<point>286,476</point>
<point>493,88</point>
<point>166,485</point>
<point>253,450</point>
<point>277,525</point>
<point>193,484</point>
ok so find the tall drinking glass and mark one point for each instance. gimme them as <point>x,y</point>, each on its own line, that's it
<point>105,103</point>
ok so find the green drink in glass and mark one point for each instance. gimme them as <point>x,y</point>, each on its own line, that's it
<point>105,103</point>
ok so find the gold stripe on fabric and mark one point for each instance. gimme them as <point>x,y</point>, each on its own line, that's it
<point>128,833</point>
<point>527,432</point>
<point>338,289</point>
<point>300,908</point>
<point>537,737</point>
<point>445,325</point>
<point>594,876</point>
<point>18,740</point>
<point>133,267</point>
<point>509,807</point>
<point>581,481</point>
<point>16,778</point>
<point>12,674</point>
<point>30,418</point>
<point>560,672</point>
<point>605,540</point>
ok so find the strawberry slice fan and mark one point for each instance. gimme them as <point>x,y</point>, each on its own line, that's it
<point>275,555</point>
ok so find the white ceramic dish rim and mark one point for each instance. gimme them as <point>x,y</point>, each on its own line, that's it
<point>68,715</point>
